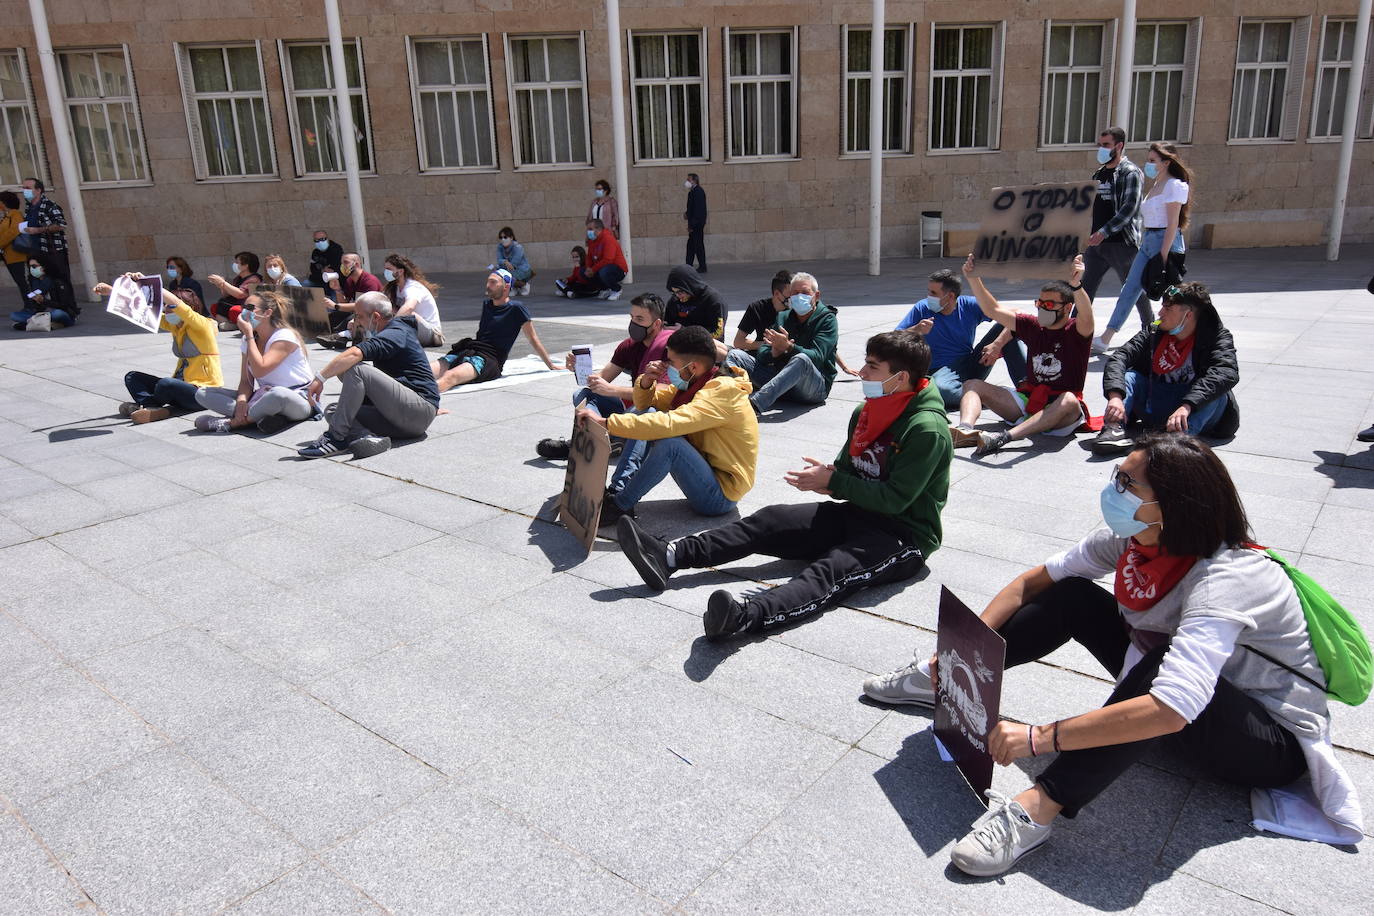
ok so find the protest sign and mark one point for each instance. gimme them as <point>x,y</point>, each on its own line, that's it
<point>584,485</point>
<point>1034,231</point>
<point>137,301</point>
<point>582,362</point>
<point>306,312</point>
<point>968,691</point>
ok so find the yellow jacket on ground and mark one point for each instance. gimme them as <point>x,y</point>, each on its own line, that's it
<point>718,422</point>
<point>195,343</point>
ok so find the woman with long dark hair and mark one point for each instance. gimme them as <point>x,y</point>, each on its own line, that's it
<point>412,295</point>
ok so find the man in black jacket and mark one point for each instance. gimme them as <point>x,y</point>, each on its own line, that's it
<point>695,216</point>
<point>325,255</point>
<point>694,302</point>
<point>1176,374</point>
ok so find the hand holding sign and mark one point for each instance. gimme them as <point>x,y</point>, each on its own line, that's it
<point>1034,231</point>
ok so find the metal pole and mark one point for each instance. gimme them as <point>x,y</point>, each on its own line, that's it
<point>876,117</point>
<point>1348,128</point>
<point>66,154</point>
<point>622,168</point>
<point>348,133</point>
<point>1125,62</point>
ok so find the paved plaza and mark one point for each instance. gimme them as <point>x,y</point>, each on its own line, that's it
<point>235,681</point>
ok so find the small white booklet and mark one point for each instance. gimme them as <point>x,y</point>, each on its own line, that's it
<point>582,362</point>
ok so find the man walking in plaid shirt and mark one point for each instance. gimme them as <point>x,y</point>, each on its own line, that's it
<point>1116,218</point>
<point>48,224</point>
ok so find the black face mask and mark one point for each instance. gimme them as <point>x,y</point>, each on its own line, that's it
<point>638,332</point>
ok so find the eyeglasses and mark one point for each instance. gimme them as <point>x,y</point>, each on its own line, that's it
<point>680,292</point>
<point>1052,305</point>
<point>1123,481</point>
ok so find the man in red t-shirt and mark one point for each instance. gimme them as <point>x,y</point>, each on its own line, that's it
<point>1058,346</point>
<point>606,265</point>
<point>647,343</point>
<point>343,289</point>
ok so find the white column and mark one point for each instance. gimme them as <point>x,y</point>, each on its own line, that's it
<point>875,141</point>
<point>1349,126</point>
<point>1125,62</point>
<point>348,132</point>
<point>622,169</point>
<point>66,152</point>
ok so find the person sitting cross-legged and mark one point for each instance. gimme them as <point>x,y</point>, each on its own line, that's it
<point>797,359</point>
<point>889,485</point>
<point>481,358</point>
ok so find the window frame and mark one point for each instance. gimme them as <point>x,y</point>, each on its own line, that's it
<point>997,73</point>
<point>190,97</point>
<point>1364,115</point>
<point>704,81</point>
<point>518,163</point>
<point>1299,37</point>
<point>292,94</point>
<point>1106,71</point>
<point>908,121</point>
<point>1188,71</point>
<point>29,106</point>
<point>731,81</point>
<point>131,100</point>
<point>418,118</point>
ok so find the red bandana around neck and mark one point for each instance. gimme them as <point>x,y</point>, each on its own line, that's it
<point>877,415</point>
<point>1171,353</point>
<point>1146,574</point>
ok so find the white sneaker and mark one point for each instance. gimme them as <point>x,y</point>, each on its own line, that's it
<point>908,684</point>
<point>998,839</point>
<point>524,289</point>
<point>209,423</point>
<point>1099,347</point>
<point>604,294</point>
<point>613,294</point>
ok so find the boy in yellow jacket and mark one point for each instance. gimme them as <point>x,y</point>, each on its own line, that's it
<point>698,427</point>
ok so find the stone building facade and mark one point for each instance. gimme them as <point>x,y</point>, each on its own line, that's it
<point>222,147</point>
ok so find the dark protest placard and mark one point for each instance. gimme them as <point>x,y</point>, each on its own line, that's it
<point>968,693</point>
<point>1034,231</point>
<point>308,313</point>
<point>589,452</point>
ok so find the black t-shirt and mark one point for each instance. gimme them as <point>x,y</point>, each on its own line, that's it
<point>1104,206</point>
<point>759,315</point>
<point>396,351</point>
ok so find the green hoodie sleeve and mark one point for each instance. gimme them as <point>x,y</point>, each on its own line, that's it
<point>918,455</point>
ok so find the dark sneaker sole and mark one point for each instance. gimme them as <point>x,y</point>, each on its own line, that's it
<point>716,623</point>
<point>632,545</point>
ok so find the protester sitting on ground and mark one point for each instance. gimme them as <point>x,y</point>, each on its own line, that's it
<point>233,291</point>
<point>694,303</point>
<point>274,265</point>
<point>388,388</point>
<point>345,286</point>
<point>273,375</point>
<point>482,358</point>
<point>889,483</point>
<point>797,360</point>
<point>949,322</point>
<point>16,260</point>
<point>45,295</point>
<point>1050,398</point>
<point>647,343</point>
<point>606,265</point>
<point>697,426</point>
<point>1177,374</point>
<point>1204,635</point>
<point>762,314</point>
<point>575,285</point>
<point>510,256</point>
<point>180,281</point>
<point>325,255</point>
<point>411,294</point>
<point>604,206</point>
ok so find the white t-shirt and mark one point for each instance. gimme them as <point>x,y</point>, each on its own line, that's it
<point>426,309</point>
<point>290,372</point>
<point>1153,208</point>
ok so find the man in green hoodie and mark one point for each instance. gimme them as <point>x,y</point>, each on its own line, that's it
<point>797,358</point>
<point>890,482</point>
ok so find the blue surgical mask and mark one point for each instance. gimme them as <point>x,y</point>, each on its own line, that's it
<point>172,272</point>
<point>1151,170</point>
<point>591,234</point>
<point>1104,155</point>
<point>1118,510</point>
<point>172,320</point>
<point>28,194</point>
<point>389,274</point>
<point>800,303</point>
<point>506,243</point>
<point>676,380</point>
<point>36,271</point>
<point>252,317</point>
<point>599,192</point>
<point>322,244</point>
<point>876,389</point>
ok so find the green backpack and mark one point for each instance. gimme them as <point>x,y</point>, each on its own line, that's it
<point>1337,639</point>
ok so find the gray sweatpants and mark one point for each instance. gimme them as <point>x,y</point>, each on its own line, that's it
<point>288,402</point>
<point>373,403</point>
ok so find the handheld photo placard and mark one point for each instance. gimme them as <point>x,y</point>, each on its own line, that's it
<point>970,657</point>
<point>1034,231</point>
<point>137,301</point>
<point>584,485</point>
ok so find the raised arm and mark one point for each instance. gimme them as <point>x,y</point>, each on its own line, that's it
<point>992,309</point>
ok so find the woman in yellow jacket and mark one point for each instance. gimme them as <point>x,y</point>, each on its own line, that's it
<point>11,215</point>
<point>699,428</point>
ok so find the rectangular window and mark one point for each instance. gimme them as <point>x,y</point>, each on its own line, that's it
<point>1333,80</point>
<point>1270,58</point>
<point>308,76</point>
<point>102,109</point>
<point>1162,81</point>
<point>451,86</point>
<point>965,86</point>
<point>226,110</point>
<point>858,82</point>
<point>20,155</point>
<point>761,93</point>
<point>548,82</point>
<point>1077,83</point>
<point>668,79</point>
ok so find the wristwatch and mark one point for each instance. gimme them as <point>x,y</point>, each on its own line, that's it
<point>1075,288</point>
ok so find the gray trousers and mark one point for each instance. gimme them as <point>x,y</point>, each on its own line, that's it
<point>1117,256</point>
<point>288,402</point>
<point>373,403</point>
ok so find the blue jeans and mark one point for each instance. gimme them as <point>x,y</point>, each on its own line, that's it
<point>797,379</point>
<point>950,378</point>
<point>1135,280</point>
<point>601,403</point>
<point>59,316</point>
<point>150,391</point>
<point>644,464</point>
<point>1151,400</point>
<point>608,277</point>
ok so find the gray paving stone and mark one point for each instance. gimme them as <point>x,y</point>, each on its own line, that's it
<point>435,509</point>
<point>89,613</point>
<point>58,509</point>
<point>1173,892</point>
<point>22,655</point>
<point>311,888</point>
<point>34,883</point>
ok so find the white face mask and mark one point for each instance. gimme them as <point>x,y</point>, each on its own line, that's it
<point>274,272</point>
<point>687,185</point>
<point>236,267</point>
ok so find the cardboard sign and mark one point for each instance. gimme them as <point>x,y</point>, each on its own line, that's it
<point>137,301</point>
<point>582,362</point>
<point>307,312</point>
<point>1034,231</point>
<point>968,692</point>
<point>584,485</point>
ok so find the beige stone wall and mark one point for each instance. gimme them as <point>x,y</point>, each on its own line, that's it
<point>812,206</point>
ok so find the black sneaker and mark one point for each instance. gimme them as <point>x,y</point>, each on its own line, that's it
<point>724,616</point>
<point>1113,440</point>
<point>323,447</point>
<point>648,554</point>
<point>611,514</point>
<point>553,449</point>
<point>990,443</point>
<point>367,446</point>
<point>1366,435</point>
<point>272,424</point>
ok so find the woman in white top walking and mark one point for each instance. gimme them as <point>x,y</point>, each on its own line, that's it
<point>1164,211</point>
<point>272,380</point>
<point>411,294</point>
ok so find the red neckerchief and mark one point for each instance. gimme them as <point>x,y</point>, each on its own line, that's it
<point>682,397</point>
<point>1146,574</point>
<point>877,415</point>
<point>1171,353</point>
